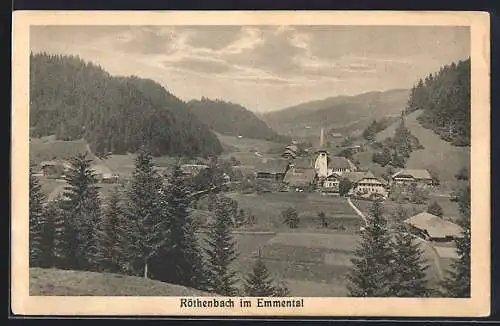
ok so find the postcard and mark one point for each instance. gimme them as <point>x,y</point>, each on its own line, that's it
<point>251,163</point>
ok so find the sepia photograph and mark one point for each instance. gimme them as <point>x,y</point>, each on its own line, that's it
<point>241,166</point>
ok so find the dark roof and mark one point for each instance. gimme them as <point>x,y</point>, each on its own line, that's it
<point>415,173</point>
<point>358,176</point>
<point>435,226</point>
<point>271,165</point>
<point>340,162</point>
<point>303,162</point>
<point>299,180</point>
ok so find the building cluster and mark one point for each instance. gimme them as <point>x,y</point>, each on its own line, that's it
<point>323,172</point>
<point>57,169</point>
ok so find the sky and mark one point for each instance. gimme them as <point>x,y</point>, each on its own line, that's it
<point>263,68</point>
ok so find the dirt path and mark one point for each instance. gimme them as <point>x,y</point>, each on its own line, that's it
<point>360,213</point>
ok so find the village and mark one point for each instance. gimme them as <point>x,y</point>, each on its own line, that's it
<point>330,194</point>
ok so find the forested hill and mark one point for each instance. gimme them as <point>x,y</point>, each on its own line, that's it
<point>339,111</point>
<point>444,98</point>
<point>74,99</point>
<point>231,119</point>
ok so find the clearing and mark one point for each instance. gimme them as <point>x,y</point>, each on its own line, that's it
<point>267,208</point>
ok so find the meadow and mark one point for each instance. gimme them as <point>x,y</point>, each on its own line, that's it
<point>267,208</point>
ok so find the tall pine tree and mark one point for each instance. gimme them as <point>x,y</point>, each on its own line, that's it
<point>258,282</point>
<point>82,213</point>
<point>221,251</point>
<point>36,221</point>
<point>457,281</point>
<point>113,235</point>
<point>180,261</point>
<point>372,271</point>
<point>146,214</point>
<point>409,276</point>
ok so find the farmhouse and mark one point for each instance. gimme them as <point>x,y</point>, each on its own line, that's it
<point>301,173</point>
<point>54,169</point>
<point>340,165</point>
<point>366,184</point>
<point>271,169</point>
<point>410,177</point>
<point>331,184</point>
<point>192,169</point>
<point>434,228</point>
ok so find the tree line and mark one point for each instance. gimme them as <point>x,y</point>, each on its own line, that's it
<point>75,99</point>
<point>143,229</point>
<point>396,151</point>
<point>232,119</point>
<point>444,98</point>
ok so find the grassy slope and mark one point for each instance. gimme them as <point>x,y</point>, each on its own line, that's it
<point>47,148</point>
<point>78,283</point>
<point>267,209</point>
<point>437,154</point>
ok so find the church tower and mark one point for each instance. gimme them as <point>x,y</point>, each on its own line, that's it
<point>321,164</point>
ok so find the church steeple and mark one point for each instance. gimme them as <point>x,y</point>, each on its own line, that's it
<point>321,164</point>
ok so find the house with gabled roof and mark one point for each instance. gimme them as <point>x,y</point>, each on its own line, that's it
<point>412,177</point>
<point>301,174</point>
<point>365,183</point>
<point>340,165</point>
<point>434,228</point>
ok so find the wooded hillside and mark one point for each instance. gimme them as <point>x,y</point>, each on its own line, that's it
<point>444,98</point>
<point>231,119</point>
<point>74,99</point>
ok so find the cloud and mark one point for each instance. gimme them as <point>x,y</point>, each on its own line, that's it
<point>262,66</point>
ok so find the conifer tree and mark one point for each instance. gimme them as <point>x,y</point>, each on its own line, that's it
<point>221,251</point>
<point>52,215</point>
<point>409,273</point>
<point>113,234</point>
<point>290,217</point>
<point>146,214</point>
<point>180,261</point>
<point>258,282</point>
<point>36,221</point>
<point>281,289</point>
<point>372,271</point>
<point>457,281</point>
<point>81,207</point>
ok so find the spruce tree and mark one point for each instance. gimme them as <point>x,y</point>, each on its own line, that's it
<point>146,214</point>
<point>372,271</point>
<point>258,282</point>
<point>82,213</point>
<point>52,214</point>
<point>409,274</point>
<point>113,234</point>
<point>221,251</point>
<point>457,281</point>
<point>180,261</point>
<point>36,221</point>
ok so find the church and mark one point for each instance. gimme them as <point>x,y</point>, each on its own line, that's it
<point>330,169</point>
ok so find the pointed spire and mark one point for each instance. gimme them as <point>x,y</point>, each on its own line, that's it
<point>321,139</point>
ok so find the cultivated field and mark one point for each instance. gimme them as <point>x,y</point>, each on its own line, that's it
<point>267,208</point>
<point>312,264</point>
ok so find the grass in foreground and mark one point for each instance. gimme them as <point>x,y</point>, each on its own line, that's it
<point>55,282</point>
